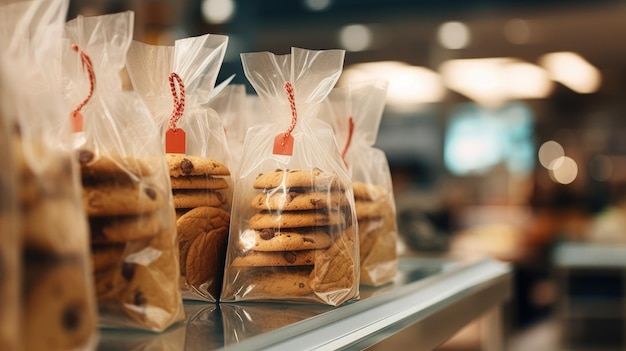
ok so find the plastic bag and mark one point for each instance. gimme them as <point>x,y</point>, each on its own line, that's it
<point>9,222</point>
<point>126,190</point>
<point>357,111</point>
<point>57,307</point>
<point>197,152</point>
<point>292,234</point>
<point>230,106</point>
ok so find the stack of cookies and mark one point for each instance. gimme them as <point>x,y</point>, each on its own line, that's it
<point>132,241</point>
<point>200,192</point>
<point>302,222</point>
<point>377,233</point>
<point>58,306</point>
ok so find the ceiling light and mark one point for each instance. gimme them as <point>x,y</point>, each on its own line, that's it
<point>317,5</point>
<point>548,152</point>
<point>493,81</point>
<point>355,37</point>
<point>453,35</point>
<point>573,71</point>
<point>408,85</point>
<point>218,11</point>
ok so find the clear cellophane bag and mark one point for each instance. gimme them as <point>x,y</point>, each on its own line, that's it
<point>229,104</point>
<point>293,233</point>
<point>201,172</point>
<point>355,111</point>
<point>57,307</point>
<point>125,181</point>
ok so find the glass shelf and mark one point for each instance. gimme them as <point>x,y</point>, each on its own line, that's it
<point>439,294</point>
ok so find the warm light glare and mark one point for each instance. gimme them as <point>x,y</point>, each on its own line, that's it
<point>408,85</point>
<point>493,81</point>
<point>528,81</point>
<point>573,71</point>
<point>218,11</point>
<point>355,37</point>
<point>317,5</point>
<point>566,171</point>
<point>453,35</point>
<point>549,152</point>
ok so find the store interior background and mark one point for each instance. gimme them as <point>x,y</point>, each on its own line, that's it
<point>504,127</point>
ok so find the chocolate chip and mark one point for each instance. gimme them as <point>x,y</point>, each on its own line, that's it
<point>267,234</point>
<point>308,240</point>
<point>290,256</point>
<point>71,317</point>
<point>128,270</point>
<point>85,156</point>
<point>139,299</point>
<point>151,193</point>
<point>301,285</point>
<point>186,166</point>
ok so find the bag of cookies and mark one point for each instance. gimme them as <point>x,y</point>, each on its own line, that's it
<point>293,226</point>
<point>10,257</point>
<point>196,149</point>
<point>355,112</point>
<point>57,310</point>
<point>125,180</point>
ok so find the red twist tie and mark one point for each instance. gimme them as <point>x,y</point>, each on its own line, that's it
<point>87,66</point>
<point>294,113</point>
<point>179,99</point>
<point>349,140</point>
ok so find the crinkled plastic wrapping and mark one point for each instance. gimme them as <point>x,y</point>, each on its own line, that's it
<point>229,104</point>
<point>9,222</point>
<point>125,183</point>
<point>57,310</point>
<point>373,191</point>
<point>202,206</point>
<point>293,227</point>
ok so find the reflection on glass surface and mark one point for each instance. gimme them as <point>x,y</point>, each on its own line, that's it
<point>210,326</point>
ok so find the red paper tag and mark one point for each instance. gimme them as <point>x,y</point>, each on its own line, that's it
<point>283,145</point>
<point>77,122</point>
<point>175,141</point>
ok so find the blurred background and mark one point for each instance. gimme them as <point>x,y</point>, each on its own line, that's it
<point>504,127</point>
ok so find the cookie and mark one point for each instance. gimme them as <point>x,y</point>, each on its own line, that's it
<point>196,198</point>
<point>299,199</point>
<point>277,258</point>
<point>336,267</point>
<point>371,209</point>
<point>298,178</point>
<point>184,165</point>
<point>58,311</point>
<point>150,294</point>
<point>55,225</point>
<point>279,282</point>
<point>107,200</point>
<point>201,220</point>
<point>95,166</point>
<point>198,182</point>
<point>107,230</point>
<point>204,263</point>
<point>104,257</point>
<point>368,192</point>
<point>285,240</point>
<point>368,231</point>
<point>295,219</point>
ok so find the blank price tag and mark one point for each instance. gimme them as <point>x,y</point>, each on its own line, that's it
<point>175,141</point>
<point>77,122</point>
<point>283,145</point>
